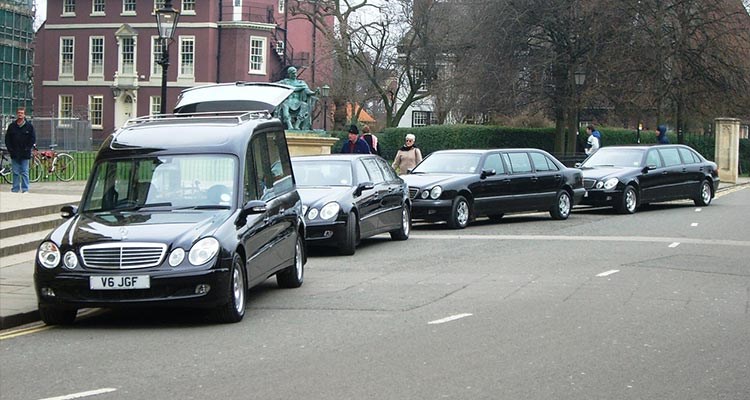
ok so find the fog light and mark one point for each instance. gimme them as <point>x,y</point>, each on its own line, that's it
<point>327,234</point>
<point>202,288</point>
<point>47,292</point>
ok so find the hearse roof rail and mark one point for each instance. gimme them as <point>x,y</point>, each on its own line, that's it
<point>236,117</point>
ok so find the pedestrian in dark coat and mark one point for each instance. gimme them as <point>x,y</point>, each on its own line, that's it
<point>661,135</point>
<point>20,138</point>
<point>355,144</point>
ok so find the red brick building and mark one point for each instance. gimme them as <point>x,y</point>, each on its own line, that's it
<point>97,59</point>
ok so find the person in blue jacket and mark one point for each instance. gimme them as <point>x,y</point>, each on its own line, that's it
<point>661,135</point>
<point>355,144</point>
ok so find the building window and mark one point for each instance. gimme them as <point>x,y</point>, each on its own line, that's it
<point>128,7</point>
<point>65,112</point>
<point>187,56</point>
<point>127,55</point>
<point>69,7</point>
<point>96,108</point>
<point>97,7</point>
<point>281,6</point>
<point>158,4</point>
<point>156,54</point>
<point>257,55</point>
<point>155,105</point>
<point>421,118</point>
<point>188,7</point>
<point>67,47</point>
<point>96,56</point>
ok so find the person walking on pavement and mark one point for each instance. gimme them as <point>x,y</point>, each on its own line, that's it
<point>371,140</point>
<point>661,135</point>
<point>594,141</point>
<point>408,156</point>
<point>355,144</point>
<point>20,138</point>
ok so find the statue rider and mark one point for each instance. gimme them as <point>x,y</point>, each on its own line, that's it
<point>294,112</point>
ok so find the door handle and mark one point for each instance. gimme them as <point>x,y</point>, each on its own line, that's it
<point>506,180</point>
<point>534,179</point>
<point>664,173</point>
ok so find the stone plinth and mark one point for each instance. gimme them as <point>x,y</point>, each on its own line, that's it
<point>727,152</point>
<point>305,143</point>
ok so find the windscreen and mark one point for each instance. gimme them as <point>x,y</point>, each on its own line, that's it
<point>614,157</point>
<point>450,163</point>
<point>322,173</point>
<point>164,182</point>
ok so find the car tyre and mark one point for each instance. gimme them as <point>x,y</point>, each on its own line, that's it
<point>292,277</point>
<point>563,204</point>
<point>348,245</point>
<point>402,233</point>
<point>234,309</point>
<point>704,195</point>
<point>54,315</point>
<point>629,201</point>
<point>460,213</point>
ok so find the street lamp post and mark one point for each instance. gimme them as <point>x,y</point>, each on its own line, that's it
<point>166,23</point>
<point>580,78</point>
<point>325,91</point>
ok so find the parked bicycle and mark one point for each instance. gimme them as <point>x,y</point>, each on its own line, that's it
<point>48,162</point>
<point>6,173</point>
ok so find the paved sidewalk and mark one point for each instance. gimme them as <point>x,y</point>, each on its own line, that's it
<point>18,304</point>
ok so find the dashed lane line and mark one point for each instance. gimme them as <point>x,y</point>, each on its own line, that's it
<point>449,319</point>
<point>608,273</point>
<point>82,394</point>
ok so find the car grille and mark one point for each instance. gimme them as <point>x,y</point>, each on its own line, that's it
<point>123,255</point>
<point>413,192</point>
<point>589,183</point>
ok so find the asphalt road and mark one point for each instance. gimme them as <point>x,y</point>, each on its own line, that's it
<point>654,305</point>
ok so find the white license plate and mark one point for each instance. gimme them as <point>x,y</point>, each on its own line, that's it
<point>119,282</point>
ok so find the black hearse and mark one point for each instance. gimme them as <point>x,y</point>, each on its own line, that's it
<point>188,209</point>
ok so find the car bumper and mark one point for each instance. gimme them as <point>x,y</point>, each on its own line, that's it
<point>325,233</point>
<point>598,197</point>
<point>166,288</point>
<point>431,210</point>
<point>578,195</point>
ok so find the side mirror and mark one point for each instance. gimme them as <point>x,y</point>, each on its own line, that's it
<point>487,172</point>
<point>577,165</point>
<point>68,211</point>
<point>648,168</point>
<point>408,171</point>
<point>362,187</point>
<point>250,208</point>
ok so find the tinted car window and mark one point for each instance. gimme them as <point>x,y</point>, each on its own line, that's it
<point>688,157</point>
<point>542,162</point>
<point>671,157</point>
<point>493,161</point>
<point>519,162</point>
<point>376,175</point>
<point>653,159</point>
<point>272,166</point>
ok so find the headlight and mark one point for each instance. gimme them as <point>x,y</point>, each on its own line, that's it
<point>330,210</point>
<point>70,260</point>
<point>312,214</point>
<point>436,192</point>
<point>203,251</point>
<point>599,184</point>
<point>48,255</point>
<point>425,194</point>
<point>176,256</point>
<point>611,183</point>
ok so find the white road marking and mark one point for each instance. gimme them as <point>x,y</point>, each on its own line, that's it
<point>607,273</point>
<point>694,224</point>
<point>698,209</point>
<point>546,238</point>
<point>82,394</point>
<point>673,245</point>
<point>449,319</point>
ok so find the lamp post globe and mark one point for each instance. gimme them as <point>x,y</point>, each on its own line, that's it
<point>325,91</point>
<point>166,23</point>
